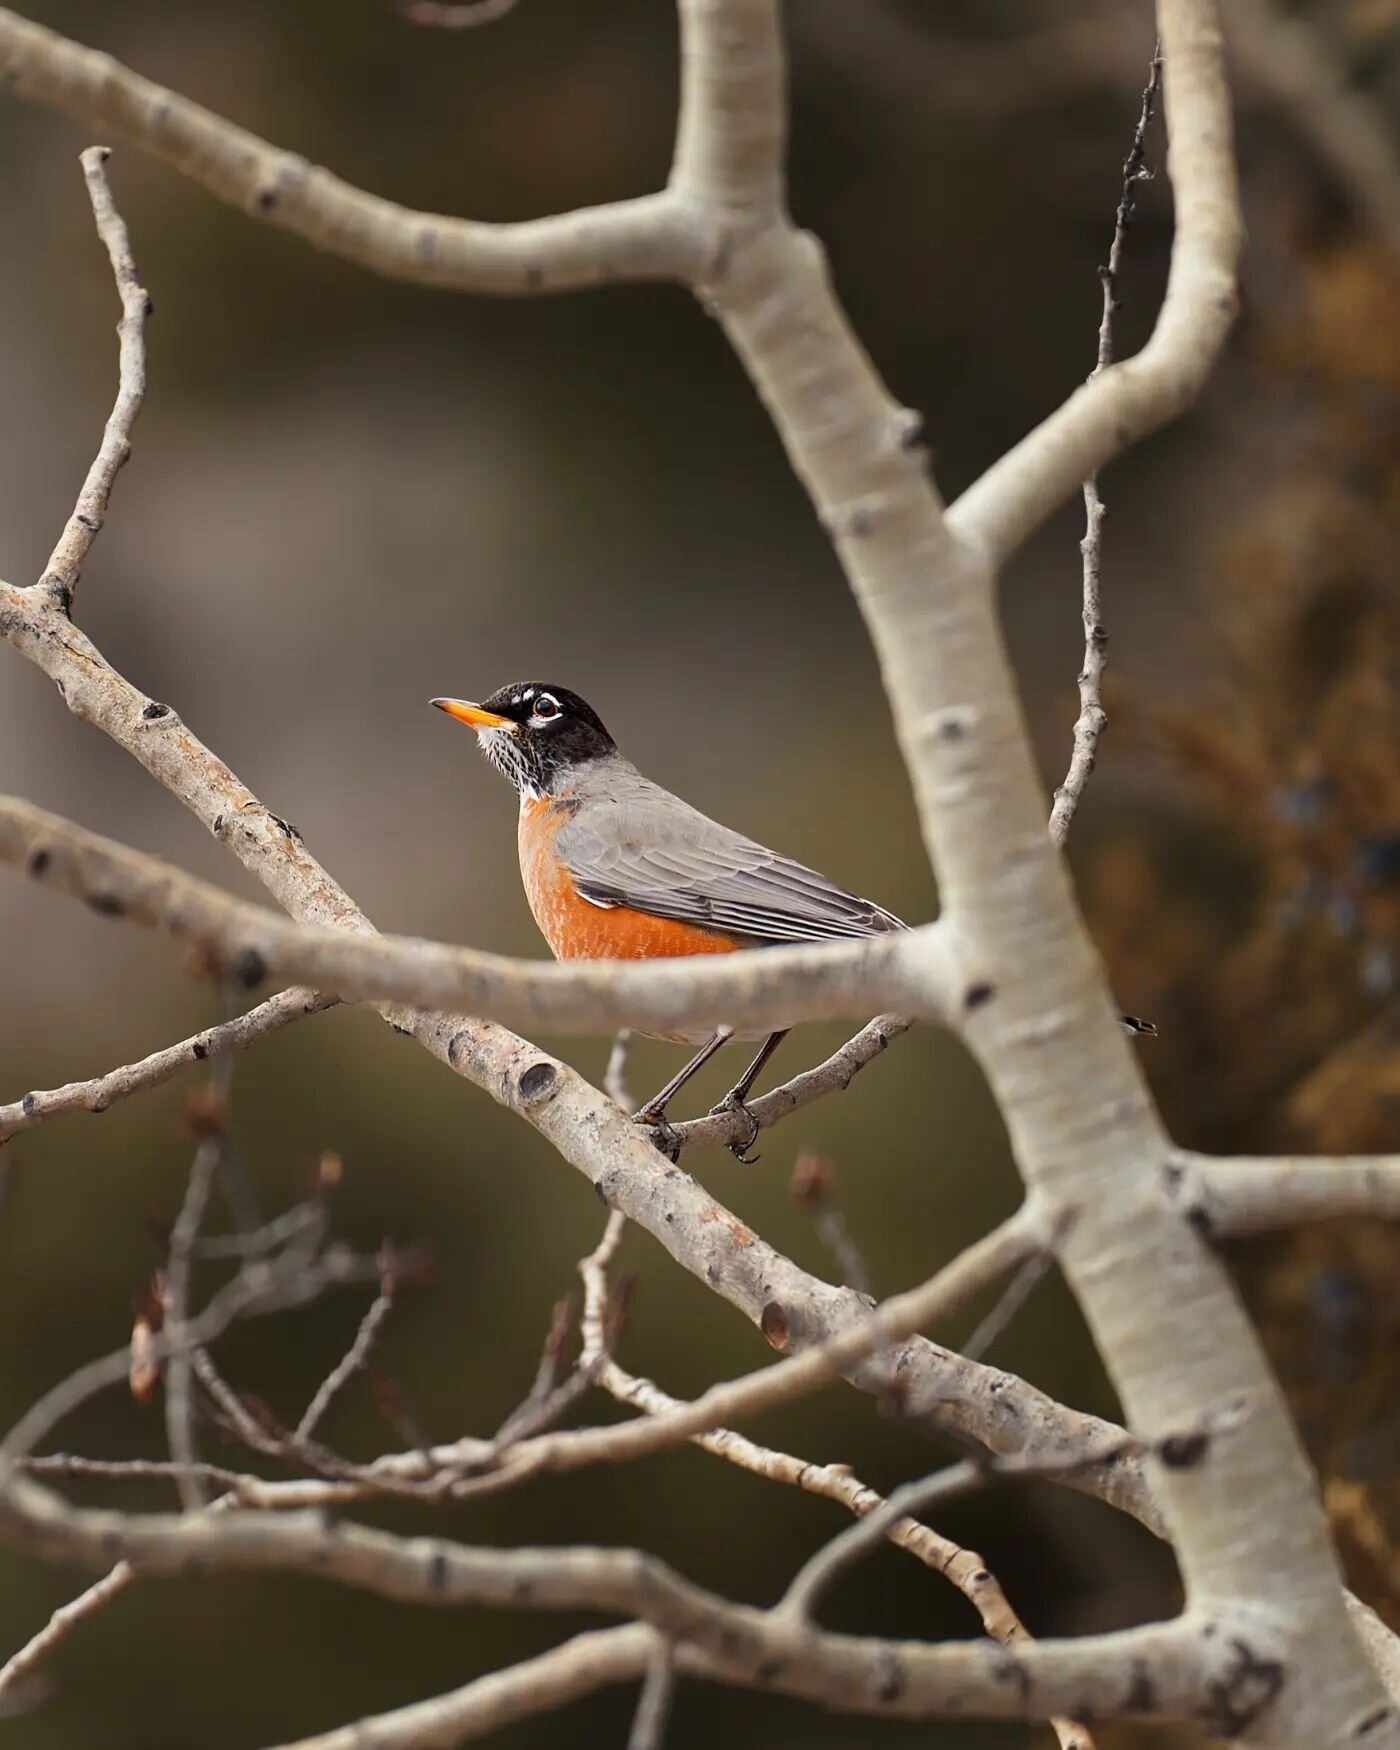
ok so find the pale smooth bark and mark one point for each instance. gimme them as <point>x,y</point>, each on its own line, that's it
<point>1267,1650</point>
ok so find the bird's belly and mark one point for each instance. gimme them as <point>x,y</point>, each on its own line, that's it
<point>576,929</point>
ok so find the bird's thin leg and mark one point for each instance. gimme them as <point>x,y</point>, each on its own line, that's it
<point>654,1111</point>
<point>734,1100</point>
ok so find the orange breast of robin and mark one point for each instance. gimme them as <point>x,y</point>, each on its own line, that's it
<point>575,928</point>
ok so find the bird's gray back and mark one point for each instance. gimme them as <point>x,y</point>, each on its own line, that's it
<point>631,843</point>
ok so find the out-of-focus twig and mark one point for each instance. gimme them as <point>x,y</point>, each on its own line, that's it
<point>261,1287</point>
<point>211,1113</point>
<point>812,1184</point>
<point>64,1622</point>
<point>1009,1302</point>
<point>465,15</point>
<point>654,1704</point>
<point>547,1399</point>
<point>356,1356</point>
<point>615,1075</point>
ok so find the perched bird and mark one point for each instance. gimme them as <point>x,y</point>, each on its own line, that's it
<point>616,868</point>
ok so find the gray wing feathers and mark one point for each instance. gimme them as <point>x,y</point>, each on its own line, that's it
<point>643,848</point>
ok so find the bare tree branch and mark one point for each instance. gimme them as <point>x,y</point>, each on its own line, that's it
<point>964,1568</point>
<point>1079,1117</point>
<point>179,1405</point>
<point>654,1704</point>
<point>252,944</point>
<point>355,1359</point>
<point>1030,993</point>
<point>1092,718</point>
<point>83,527</point>
<point>1188,1662</point>
<point>587,1663</point>
<point>101,1092</point>
<point>1244,1194</point>
<point>731,1401</point>
<point>837,1073</point>
<point>654,237</point>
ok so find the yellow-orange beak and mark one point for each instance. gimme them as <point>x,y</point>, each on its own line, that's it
<point>472,715</point>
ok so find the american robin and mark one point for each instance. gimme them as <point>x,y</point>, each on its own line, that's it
<point>616,868</point>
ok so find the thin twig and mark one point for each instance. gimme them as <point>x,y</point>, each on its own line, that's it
<point>133,1470</point>
<point>615,1075</point>
<point>179,1403</point>
<point>258,1289</point>
<point>546,1399</point>
<point>1010,1301</point>
<point>65,564</point>
<point>833,1075</point>
<point>297,1223</point>
<point>354,1359</point>
<point>1092,717</point>
<point>64,1621</point>
<point>654,1704</point>
<point>817,1575</point>
<point>1181,1449</point>
<point>794,1377</point>
<point>813,1181</point>
<point>101,1092</point>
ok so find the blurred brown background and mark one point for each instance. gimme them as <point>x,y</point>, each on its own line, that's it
<point>347,496</point>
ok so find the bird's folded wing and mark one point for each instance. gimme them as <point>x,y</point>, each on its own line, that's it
<point>667,859</point>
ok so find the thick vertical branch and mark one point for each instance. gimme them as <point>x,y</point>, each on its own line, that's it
<point>1245,1518</point>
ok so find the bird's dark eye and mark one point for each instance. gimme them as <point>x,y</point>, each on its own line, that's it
<point>545,706</point>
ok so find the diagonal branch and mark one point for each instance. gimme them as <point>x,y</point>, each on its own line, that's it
<point>734,1400</point>
<point>963,1568</point>
<point>834,1075</point>
<point>100,1092</point>
<point>579,1667</point>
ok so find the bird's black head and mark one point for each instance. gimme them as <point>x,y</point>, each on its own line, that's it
<point>534,733</point>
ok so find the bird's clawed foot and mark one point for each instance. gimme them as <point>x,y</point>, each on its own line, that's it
<point>664,1136</point>
<point>734,1101</point>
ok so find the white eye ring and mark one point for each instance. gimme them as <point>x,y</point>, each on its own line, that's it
<point>546,710</point>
